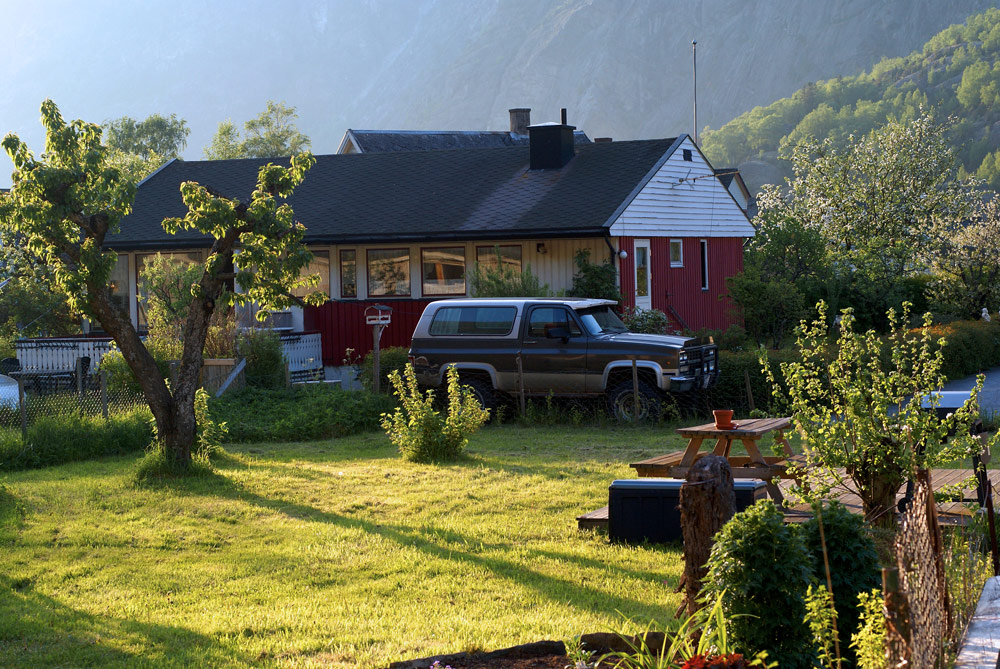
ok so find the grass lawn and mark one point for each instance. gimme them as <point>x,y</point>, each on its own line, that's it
<point>332,553</point>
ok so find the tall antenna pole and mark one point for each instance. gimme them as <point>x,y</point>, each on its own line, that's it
<point>694,64</point>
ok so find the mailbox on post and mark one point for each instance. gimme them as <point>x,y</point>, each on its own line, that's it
<point>378,316</point>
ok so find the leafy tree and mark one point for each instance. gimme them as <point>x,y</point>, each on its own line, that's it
<point>877,204</point>
<point>967,264</point>
<point>859,410</point>
<point>65,204</point>
<point>272,133</point>
<point>137,148</point>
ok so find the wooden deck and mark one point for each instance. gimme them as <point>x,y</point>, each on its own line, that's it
<point>951,513</point>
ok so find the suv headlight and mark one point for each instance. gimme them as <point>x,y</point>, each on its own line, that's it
<point>683,357</point>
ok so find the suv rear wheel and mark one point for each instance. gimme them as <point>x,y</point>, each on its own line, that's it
<point>621,402</point>
<point>483,390</point>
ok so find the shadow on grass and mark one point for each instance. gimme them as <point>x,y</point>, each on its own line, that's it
<point>429,540</point>
<point>41,631</point>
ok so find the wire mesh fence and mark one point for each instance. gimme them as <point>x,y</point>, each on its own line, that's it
<point>28,396</point>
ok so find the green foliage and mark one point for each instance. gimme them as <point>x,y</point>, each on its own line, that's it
<point>271,134</point>
<point>158,465</point>
<point>868,642</point>
<point>760,569</point>
<point>391,359</point>
<point>121,378</point>
<point>595,280</point>
<point>967,264</point>
<point>854,565</point>
<point>419,431</point>
<point>704,633</point>
<point>822,620</point>
<point>157,135</point>
<point>298,414</point>
<point>735,367</point>
<point>646,321</point>
<point>265,358</point>
<point>62,438</point>
<point>858,409</point>
<point>504,280</point>
<point>167,284</point>
<point>972,347</point>
<point>896,88</point>
<point>12,513</point>
<point>769,307</point>
<point>29,309</point>
<point>211,433</point>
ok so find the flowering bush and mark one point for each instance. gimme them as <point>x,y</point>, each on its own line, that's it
<point>419,431</point>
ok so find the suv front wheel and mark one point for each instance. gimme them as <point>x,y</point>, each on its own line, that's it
<point>621,402</point>
<point>483,391</point>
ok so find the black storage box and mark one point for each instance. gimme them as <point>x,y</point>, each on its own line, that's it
<point>646,509</point>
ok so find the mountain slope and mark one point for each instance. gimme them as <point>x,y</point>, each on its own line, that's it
<point>956,73</point>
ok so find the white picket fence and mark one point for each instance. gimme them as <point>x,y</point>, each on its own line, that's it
<point>303,351</point>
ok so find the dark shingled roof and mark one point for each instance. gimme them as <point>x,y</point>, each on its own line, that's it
<point>418,196</point>
<point>381,141</point>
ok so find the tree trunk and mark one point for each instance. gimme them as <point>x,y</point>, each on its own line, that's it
<point>707,502</point>
<point>878,499</point>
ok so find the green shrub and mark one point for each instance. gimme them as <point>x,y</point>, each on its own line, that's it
<point>646,321</point>
<point>211,433</point>
<point>764,569</point>
<point>392,359</point>
<point>298,414</point>
<point>120,376</point>
<point>420,432</point>
<point>973,346</point>
<point>596,280</point>
<point>504,280</point>
<point>868,643</point>
<point>65,438</point>
<point>265,358</point>
<point>730,392</point>
<point>854,566</point>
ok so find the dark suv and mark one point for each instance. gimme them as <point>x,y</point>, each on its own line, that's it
<point>561,347</point>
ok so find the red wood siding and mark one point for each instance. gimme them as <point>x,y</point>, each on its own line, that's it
<point>701,308</point>
<point>626,271</point>
<point>659,255</point>
<point>343,326</point>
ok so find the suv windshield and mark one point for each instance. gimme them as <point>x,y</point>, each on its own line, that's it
<point>600,320</point>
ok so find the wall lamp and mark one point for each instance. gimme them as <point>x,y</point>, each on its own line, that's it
<point>540,248</point>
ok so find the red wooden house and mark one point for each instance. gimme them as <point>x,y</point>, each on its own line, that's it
<point>405,227</point>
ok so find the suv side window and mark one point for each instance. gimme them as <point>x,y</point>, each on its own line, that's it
<point>473,321</point>
<point>543,319</point>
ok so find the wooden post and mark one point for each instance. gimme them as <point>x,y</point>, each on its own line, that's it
<point>994,551</point>
<point>937,543</point>
<point>635,391</point>
<point>520,387</point>
<point>897,612</point>
<point>24,409</point>
<point>707,502</point>
<point>79,375</point>
<point>104,394</point>
<point>376,362</point>
<point>746,379</point>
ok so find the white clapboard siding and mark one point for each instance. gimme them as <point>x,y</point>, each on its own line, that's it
<point>683,199</point>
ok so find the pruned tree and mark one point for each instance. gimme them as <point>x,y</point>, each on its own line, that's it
<point>64,206</point>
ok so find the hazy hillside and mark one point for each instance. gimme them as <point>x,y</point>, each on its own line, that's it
<point>621,67</point>
<point>957,73</point>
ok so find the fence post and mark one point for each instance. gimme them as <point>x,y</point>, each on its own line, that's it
<point>24,409</point>
<point>994,551</point>
<point>520,387</point>
<point>288,375</point>
<point>746,378</point>
<point>79,375</point>
<point>104,393</point>
<point>635,391</point>
<point>897,614</point>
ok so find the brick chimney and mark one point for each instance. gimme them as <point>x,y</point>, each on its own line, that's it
<point>551,144</point>
<point>520,119</point>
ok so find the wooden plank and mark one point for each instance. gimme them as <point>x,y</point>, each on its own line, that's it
<point>593,519</point>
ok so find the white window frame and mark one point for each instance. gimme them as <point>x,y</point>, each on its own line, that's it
<point>704,263</point>
<point>670,250</point>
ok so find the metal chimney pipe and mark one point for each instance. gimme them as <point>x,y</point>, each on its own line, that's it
<point>563,116</point>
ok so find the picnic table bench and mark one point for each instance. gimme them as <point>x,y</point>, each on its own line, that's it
<point>752,465</point>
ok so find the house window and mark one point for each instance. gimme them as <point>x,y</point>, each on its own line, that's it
<point>389,272</point>
<point>509,257</point>
<point>118,283</point>
<point>443,271</point>
<point>676,253</point>
<point>320,264</point>
<point>704,264</point>
<point>348,273</point>
<point>142,290</point>
<point>688,155</point>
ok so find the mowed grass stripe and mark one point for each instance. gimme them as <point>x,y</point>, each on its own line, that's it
<point>332,553</point>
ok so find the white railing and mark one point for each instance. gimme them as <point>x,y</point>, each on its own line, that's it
<point>56,355</point>
<point>304,353</point>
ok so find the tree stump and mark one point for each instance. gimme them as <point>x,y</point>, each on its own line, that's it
<point>707,502</point>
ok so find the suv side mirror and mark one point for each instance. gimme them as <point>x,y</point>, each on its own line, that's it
<point>558,333</point>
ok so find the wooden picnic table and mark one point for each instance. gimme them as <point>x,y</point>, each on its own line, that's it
<point>753,465</point>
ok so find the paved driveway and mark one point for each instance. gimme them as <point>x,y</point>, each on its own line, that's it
<point>8,391</point>
<point>989,399</point>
